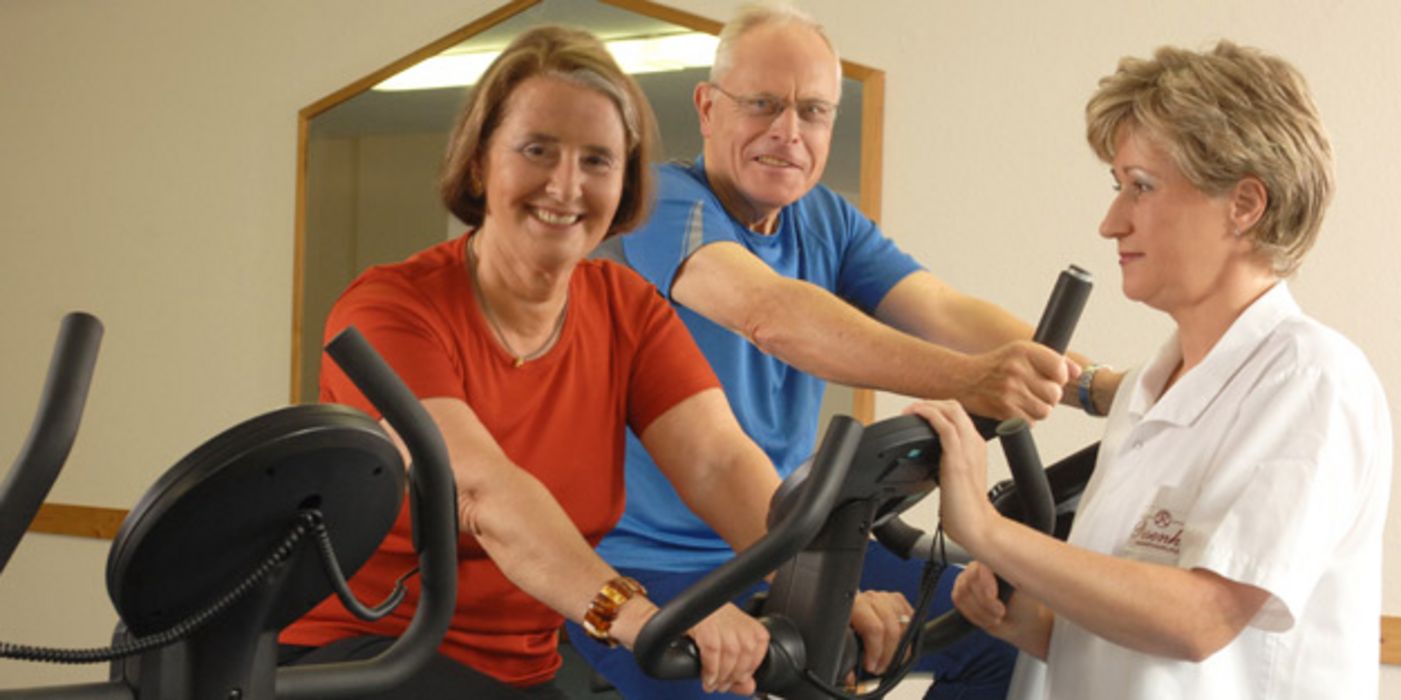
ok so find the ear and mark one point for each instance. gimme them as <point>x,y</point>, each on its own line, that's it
<point>1249,198</point>
<point>704,103</point>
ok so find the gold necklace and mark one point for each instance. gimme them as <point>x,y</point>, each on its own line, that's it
<point>518,359</point>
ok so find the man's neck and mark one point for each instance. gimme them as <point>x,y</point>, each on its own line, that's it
<point>759,221</point>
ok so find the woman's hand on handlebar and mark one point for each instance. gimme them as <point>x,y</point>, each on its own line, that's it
<point>975,595</point>
<point>1022,620</point>
<point>879,618</point>
<point>964,509</point>
<point>732,644</point>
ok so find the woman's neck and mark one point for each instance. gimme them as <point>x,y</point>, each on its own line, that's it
<point>524,301</point>
<point>1200,326</point>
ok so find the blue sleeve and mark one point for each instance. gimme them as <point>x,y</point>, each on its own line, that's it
<point>687,216</point>
<point>871,264</point>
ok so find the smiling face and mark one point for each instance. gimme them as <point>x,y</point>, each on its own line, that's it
<point>759,163</point>
<point>1178,249</point>
<point>553,170</point>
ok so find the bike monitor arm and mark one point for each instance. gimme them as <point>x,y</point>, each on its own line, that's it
<point>433,500</point>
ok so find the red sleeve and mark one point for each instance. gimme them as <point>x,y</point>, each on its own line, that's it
<point>667,367</point>
<point>402,326</point>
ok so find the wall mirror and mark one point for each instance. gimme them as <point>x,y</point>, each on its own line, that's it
<point>369,154</point>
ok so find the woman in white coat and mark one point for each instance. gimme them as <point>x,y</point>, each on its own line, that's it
<point>1229,543</point>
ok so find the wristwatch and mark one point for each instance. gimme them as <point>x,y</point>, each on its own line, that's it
<point>1086,389</point>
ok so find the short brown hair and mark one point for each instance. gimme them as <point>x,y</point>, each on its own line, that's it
<point>1223,115</point>
<point>569,54</point>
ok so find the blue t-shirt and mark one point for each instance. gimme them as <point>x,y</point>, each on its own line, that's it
<point>822,239</point>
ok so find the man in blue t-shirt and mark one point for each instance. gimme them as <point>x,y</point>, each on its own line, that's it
<point>785,286</point>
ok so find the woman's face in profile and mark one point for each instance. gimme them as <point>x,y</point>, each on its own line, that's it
<point>553,170</point>
<point>1175,241</point>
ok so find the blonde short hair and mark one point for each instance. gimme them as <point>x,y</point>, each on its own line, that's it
<point>569,54</point>
<point>1223,115</point>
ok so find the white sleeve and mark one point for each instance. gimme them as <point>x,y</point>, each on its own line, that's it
<point>1284,488</point>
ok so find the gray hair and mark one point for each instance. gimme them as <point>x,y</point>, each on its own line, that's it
<point>761,14</point>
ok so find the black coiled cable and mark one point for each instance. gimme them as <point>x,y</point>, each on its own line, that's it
<point>305,520</point>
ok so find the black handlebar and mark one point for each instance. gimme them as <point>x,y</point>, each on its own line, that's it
<point>1062,312</point>
<point>53,431</point>
<point>1031,486</point>
<point>433,501</point>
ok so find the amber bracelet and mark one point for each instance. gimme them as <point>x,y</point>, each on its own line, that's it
<point>603,610</point>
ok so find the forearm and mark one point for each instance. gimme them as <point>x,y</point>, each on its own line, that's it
<point>824,336</point>
<point>1151,608</point>
<point>543,552</point>
<point>1033,633</point>
<point>515,518</point>
<point>974,325</point>
<point>719,473</point>
<point>735,503</point>
<point>924,306</point>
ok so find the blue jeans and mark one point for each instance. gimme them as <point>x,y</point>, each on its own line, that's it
<point>978,667</point>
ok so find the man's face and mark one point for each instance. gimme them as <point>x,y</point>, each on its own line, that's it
<point>767,121</point>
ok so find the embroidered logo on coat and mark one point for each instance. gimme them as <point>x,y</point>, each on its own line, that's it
<point>1158,530</point>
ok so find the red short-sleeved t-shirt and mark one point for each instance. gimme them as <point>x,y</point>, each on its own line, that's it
<point>622,359</point>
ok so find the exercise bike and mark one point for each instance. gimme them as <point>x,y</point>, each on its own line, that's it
<point>218,555</point>
<point>858,482</point>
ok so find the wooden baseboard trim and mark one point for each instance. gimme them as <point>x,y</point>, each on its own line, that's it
<point>78,521</point>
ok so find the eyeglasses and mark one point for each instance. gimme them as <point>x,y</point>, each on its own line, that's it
<point>767,107</point>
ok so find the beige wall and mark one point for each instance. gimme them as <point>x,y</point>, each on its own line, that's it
<point>146,175</point>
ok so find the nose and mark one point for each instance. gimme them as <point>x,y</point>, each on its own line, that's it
<point>566,180</point>
<point>1116,219</point>
<point>786,125</point>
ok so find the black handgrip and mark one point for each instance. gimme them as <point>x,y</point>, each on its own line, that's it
<point>781,668</point>
<point>679,659</point>
<point>944,630</point>
<point>1057,324</point>
<point>53,431</point>
<point>434,499</point>
<point>899,536</point>
<point>1062,312</point>
<point>1033,487</point>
